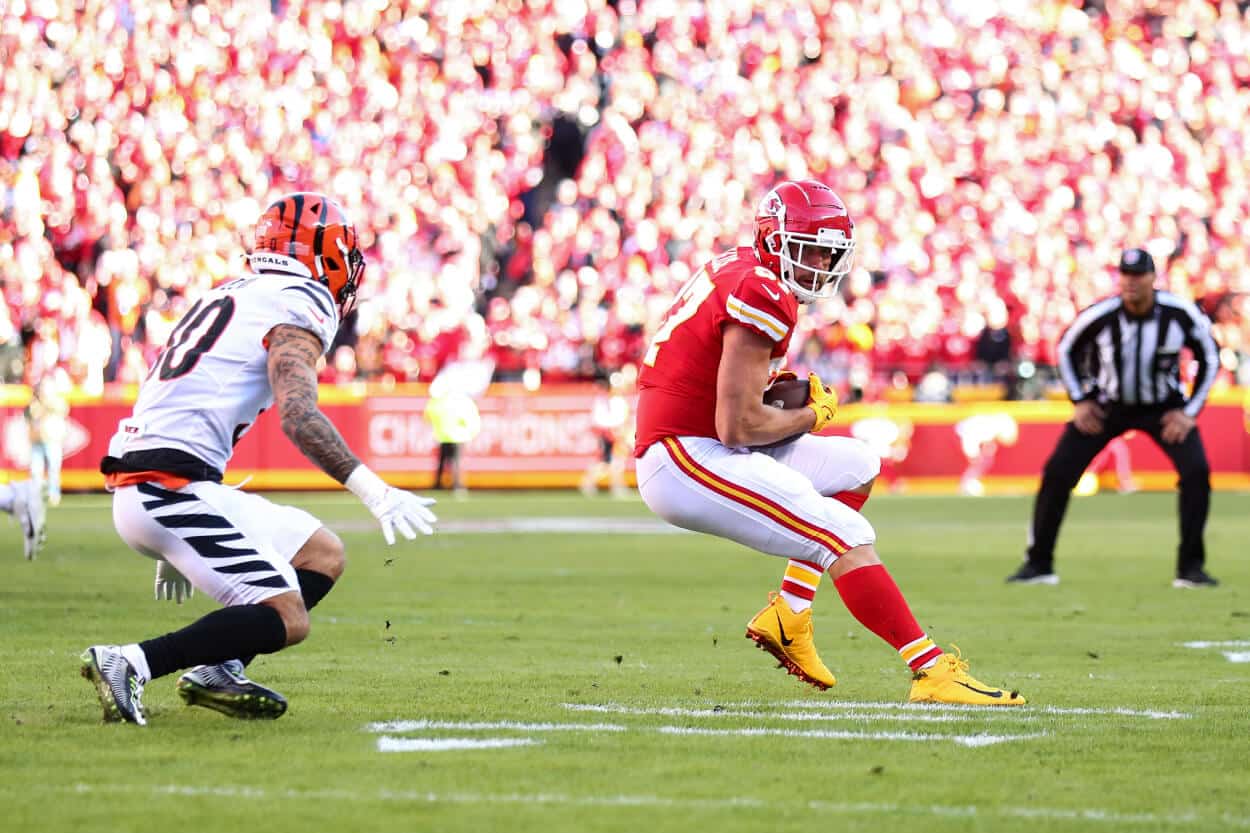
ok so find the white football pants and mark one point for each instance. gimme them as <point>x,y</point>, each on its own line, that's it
<point>233,546</point>
<point>773,500</point>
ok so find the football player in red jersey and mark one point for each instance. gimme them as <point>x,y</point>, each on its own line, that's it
<point>712,457</point>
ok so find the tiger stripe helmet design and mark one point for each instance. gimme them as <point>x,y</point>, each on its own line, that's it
<point>309,235</point>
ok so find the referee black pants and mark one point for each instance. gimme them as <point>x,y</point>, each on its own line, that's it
<point>448,461</point>
<point>1074,453</point>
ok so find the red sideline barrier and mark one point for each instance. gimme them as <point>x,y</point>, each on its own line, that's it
<point>1011,441</point>
<point>543,439</point>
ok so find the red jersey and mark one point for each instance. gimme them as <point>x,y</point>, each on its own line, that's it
<point>677,385</point>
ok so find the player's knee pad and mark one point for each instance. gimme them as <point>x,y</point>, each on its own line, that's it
<point>861,459</point>
<point>871,457</point>
<point>867,466</point>
<point>856,532</point>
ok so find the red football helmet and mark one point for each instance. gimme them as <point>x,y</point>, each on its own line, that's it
<point>308,234</point>
<point>805,236</point>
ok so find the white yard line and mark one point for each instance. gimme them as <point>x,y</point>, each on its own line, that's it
<point>386,743</point>
<point>1238,657</point>
<point>916,716</point>
<point>1118,712</point>
<point>1081,817</point>
<point>980,711</point>
<point>792,710</point>
<point>392,727</point>
<point>1232,643</point>
<point>399,726</point>
<point>979,739</point>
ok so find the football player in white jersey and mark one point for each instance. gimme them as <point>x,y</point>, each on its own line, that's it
<point>242,347</point>
<point>24,501</point>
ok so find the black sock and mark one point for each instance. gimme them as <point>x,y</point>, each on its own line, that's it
<point>313,586</point>
<point>221,635</point>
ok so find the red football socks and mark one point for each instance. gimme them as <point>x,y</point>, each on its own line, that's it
<point>873,598</point>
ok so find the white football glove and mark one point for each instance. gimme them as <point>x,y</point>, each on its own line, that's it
<point>171,584</point>
<point>404,511</point>
<point>394,508</point>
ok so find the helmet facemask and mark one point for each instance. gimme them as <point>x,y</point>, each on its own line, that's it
<point>812,265</point>
<point>355,263</point>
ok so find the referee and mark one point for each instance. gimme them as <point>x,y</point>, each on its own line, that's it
<point>1120,363</point>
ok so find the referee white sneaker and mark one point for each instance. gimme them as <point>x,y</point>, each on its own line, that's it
<point>1029,574</point>
<point>1194,579</point>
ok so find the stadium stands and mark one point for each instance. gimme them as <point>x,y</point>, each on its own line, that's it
<point>535,179</point>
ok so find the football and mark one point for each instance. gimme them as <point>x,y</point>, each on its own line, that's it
<point>787,394</point>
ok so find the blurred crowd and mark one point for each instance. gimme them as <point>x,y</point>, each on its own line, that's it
<point>534,179</point>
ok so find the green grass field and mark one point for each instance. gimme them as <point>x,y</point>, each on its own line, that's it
<point>617,657</point>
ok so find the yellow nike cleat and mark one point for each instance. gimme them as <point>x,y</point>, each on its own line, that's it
<point>788,636</point>
<point>949,682</point>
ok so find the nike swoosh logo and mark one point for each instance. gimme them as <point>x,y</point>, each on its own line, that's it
<point>782,628</point>
<point>771,294</point>
<point>320,319</point>
<point>981,690</point>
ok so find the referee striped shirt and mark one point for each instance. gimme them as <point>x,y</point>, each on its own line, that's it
<point>1111,356</point>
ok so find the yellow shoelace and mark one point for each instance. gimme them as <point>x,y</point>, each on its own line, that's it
<point>956,660</point>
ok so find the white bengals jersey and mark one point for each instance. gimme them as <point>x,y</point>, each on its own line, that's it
<point>211,381</point>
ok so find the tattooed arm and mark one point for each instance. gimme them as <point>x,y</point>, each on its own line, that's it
<point>293,354</point>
